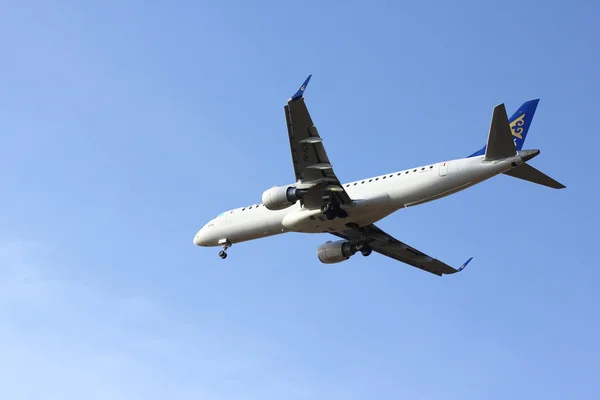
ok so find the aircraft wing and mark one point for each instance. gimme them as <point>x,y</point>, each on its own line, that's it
<point>387,245</point>
<point>312,167</point>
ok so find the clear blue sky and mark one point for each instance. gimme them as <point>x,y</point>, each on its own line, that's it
<point>127,125</point>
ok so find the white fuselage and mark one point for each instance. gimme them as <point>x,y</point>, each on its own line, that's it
<point>373,198</point>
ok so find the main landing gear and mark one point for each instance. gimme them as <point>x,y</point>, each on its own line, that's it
<point>364,248</point>
<point>363,244</point>
<point>333,210</point>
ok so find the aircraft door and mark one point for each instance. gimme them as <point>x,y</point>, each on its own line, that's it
<point>264,228</point>
<point>443,169</point>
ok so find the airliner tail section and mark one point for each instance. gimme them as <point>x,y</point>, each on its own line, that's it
<point>500,142</point>
<point>519,125</point>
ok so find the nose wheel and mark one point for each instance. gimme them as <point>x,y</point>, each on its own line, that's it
<point>223,253</point>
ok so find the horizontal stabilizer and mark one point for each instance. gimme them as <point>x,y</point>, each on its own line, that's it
<point>528,173</point>
<point>500,141</point>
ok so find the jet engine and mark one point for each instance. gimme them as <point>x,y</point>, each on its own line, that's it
<point>335,252</point>
<point>280,197</point>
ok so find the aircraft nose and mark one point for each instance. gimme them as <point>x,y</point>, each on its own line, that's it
<point>199,239</point>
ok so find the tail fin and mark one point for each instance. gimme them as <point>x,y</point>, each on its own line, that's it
<point>500,144</point>
<point>528,173</point>
<point>519,125</point>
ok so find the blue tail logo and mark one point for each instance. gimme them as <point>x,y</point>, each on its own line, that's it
<point>519,123</point>
<point>516,127</point>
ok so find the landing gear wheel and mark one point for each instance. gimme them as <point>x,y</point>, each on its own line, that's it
<point>364,248</point>
<point>366,251</point>
<point>329,210</point>
<point>332,211</point>
<point>226,245</point>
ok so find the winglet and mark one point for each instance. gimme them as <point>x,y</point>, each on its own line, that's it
<point>464,265</point>
<point>300,91</point>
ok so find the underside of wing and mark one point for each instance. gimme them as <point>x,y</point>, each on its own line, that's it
<point>312,167</point>
<point>387,245</point>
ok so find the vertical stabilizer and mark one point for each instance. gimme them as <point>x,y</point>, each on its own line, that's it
<point>519,123</point>
<point>500,141</point>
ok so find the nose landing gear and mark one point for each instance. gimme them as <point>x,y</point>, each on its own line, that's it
<point>226,245</point>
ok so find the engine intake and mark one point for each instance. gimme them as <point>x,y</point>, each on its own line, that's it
<point>280,197</point>
<point>335,252</point>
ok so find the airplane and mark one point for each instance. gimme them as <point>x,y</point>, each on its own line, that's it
<point>319,203</point>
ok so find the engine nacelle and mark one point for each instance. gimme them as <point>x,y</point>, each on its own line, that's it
<point>335,252</point>
<point>280,197</point>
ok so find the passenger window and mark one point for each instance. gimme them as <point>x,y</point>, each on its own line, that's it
<point>355,183</point>
<point>384,177</point>
<point>406,172</point>
<point>376,179</point>
<point>431,167</point>
<point>414,170</point>
<point>362,182</point>
<point>370,180</point>
<point>422,169</point>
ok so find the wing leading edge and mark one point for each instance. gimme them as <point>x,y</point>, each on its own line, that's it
<point>312,167</point>
<point>387,245</point>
